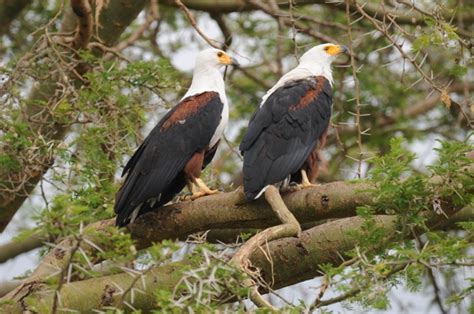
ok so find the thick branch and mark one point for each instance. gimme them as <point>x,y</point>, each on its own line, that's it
<point>83,11</point>
<point>229,210</point>
<point>7,286</point>
<point>282,263</point>
<point>320,245</point>
<point>226,210</point>
<point>403,16</point>
<point>15,248</point>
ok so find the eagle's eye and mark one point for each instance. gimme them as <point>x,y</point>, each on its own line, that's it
<point>219,54</point>
<point>327,48</point>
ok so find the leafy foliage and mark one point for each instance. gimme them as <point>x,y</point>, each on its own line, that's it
<point>382,261</point>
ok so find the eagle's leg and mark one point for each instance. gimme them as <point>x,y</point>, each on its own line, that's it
<point>192,189</point>
<point>204,189</point>
<point>305,183</point>
<point>191,186</point>
<point>198,189</point>
<point>192,172</point>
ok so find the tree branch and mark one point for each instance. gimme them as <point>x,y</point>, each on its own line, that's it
<point>320,245</point>
<point>226,32</point>
<point>402,16</point>
<point>192,20</point>
<point>286,19</point>
<point>289,228</point>
<point>228,210</point>
<point>282,263</point>
<point>83,11</point>
<point>15,248</point>
<point>7,286</point>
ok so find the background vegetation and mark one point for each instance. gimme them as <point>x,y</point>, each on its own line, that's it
<point>82,82</point>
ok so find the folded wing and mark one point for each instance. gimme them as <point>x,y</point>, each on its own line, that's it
<point>154,174</point>
<point>284,131</point>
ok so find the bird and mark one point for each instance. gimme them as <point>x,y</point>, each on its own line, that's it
<point>290,125</point>
<point>180,146</point>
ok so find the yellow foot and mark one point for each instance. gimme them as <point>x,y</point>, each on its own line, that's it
<point>198,189</point>
<point>199,194</point>
<point>298,187</point>
<point>185,198</point>
<point>306,185</point>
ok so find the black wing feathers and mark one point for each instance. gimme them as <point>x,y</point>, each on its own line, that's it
<point>155,170</point>
<point>284,131</point>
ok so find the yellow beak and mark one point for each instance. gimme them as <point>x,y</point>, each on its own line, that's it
<point>227,60</point>
<point>337,49</point>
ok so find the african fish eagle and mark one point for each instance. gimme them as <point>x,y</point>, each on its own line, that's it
<point>290,125</point>
<point>182,144</point>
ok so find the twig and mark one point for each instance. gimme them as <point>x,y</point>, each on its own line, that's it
<point>277,14</point>
<point>64,269</point>
<point>320,295</point>
<point>437,291</point>
<point>357,94</point>
<point>152,16</point>
<point>131,287</point>
<point>232,148</point>
<point>436,298</point>
<point>226,33</point>
<point>428,79</point>
<point>254,78</point>
<point>191,19</point>
<point>355,291</point>
<point>279,37</point>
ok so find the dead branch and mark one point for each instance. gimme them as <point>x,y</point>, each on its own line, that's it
<point>401,15</point>
<point>192,21</point>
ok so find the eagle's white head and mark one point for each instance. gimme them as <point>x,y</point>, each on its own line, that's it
<point>207,75</point>
<point>314,62</point>
<point>323,54</point>
<point>318,59</point>
<point>213,58</point>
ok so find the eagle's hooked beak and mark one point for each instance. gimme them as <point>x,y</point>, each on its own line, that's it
<point>226,59</point>
<point>235,63</point>
<point>335,50</point>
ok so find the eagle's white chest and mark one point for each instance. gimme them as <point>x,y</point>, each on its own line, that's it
<point>222,123</point>
<point>209,79</point>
